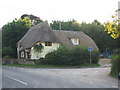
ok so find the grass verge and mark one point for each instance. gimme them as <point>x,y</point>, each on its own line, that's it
<point>114,75</point>
<point>91,65</point>
<point>53,66</point>
<point>36,66</point>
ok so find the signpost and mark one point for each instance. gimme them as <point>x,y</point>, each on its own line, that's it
<point>90,49</point>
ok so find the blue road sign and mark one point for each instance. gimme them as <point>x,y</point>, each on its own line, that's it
<point>90,49</point>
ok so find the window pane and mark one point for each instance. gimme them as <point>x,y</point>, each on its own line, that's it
<point>48,44</point>
<point>75,40</point>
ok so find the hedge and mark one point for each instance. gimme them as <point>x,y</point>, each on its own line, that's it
<point>115,69</point>
<point>70,56</point>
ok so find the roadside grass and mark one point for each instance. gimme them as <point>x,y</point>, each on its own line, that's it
<point>53,66</point>
<point>34,66</point>
<point>91,65</point>
<point>114,75</point>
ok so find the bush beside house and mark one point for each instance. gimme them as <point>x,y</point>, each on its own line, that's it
<point>63,56</point>
<point>115,69</point>
<point>70,56</point>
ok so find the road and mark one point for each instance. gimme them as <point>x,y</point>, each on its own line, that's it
<point>18,77</point>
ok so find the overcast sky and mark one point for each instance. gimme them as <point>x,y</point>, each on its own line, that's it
<point>80,10</point>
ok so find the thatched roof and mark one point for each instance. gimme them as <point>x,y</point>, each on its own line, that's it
<point>84,40</point>
<point>38,33</point>
<point>43,33</point>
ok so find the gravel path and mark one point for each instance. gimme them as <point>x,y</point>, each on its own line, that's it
<point>105,62</point>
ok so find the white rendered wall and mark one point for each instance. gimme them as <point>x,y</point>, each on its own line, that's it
<point>47,49</point>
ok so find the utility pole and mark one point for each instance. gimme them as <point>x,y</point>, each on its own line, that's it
<point>59,25</point>
<point>59,30</point>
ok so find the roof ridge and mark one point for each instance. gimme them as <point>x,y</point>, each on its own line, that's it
<point>44,23</point>
<point>67,30</point>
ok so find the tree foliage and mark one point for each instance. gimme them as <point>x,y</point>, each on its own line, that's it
<point>12,32</point>
<point>68,25</point>
<point>34,19</point>
<point>113,28</point>
<point>96,31</point>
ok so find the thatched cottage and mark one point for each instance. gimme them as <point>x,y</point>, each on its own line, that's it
<point>50,40</point>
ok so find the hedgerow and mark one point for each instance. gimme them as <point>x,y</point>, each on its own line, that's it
<point>71,56</point>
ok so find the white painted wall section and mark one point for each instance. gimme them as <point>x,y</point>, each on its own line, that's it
<point>47,49</point>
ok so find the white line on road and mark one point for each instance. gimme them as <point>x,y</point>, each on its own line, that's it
<point>115,86</point>
<point>16,80</point>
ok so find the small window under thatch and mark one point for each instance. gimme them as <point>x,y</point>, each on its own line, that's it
<point>75,41</point>
<point>48,43</point>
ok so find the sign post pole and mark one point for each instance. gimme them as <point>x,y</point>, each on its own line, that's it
<point>90,50</point>
<point>90,57</point>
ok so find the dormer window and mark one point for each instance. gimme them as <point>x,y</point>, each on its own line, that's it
<point>48,43</point>
<point>75,41</point>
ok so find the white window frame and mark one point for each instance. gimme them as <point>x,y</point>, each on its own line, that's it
<point>22,54</point>
<point>75,41</point>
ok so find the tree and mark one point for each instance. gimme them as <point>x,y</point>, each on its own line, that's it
<point>113,28</point>
<point>68,25</point>
<point>95,30</point>
<point>14,31</point>
<point>11,34</point>
<point>7,51</point>
<point>34,19</point>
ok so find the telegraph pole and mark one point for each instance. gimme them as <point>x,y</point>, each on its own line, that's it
<point>59,30</point>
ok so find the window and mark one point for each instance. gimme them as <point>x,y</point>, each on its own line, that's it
<point>75,41</point>
<point>48,44</point>
<point>22,54</point>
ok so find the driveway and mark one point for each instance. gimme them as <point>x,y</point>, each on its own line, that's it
<point>15,77</point>
<point>104,62</point>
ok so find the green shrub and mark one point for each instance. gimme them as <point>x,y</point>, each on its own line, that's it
<point>39,61</point>
<point>116,51</point>
<point>70,56</point>
<point>15,62</point>
<point>95,57</point>
<point>7,51</point>
<point>6,57</point>
<point>115,69</point>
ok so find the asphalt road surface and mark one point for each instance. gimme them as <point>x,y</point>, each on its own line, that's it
<point>16,77</point>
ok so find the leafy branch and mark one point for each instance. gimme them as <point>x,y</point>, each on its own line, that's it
<point>113,28</point>
<point>38,48</point>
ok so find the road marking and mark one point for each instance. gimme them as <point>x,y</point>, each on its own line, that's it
<point>16,80</point>
<point>115,86</point>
